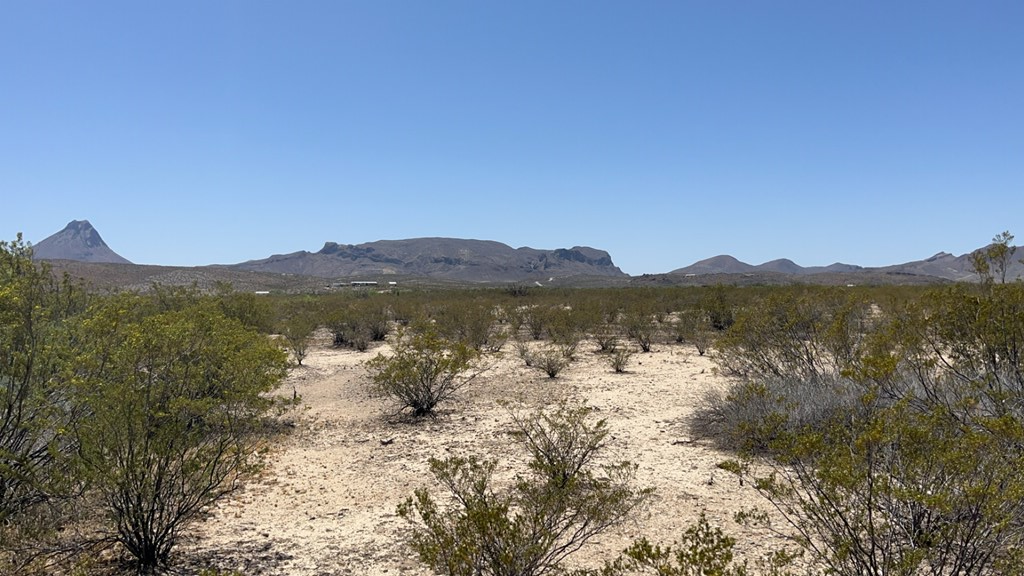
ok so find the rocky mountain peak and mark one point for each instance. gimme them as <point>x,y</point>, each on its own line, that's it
<point>78,241</point>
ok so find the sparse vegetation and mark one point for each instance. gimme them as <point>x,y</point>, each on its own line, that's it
<point>641,326</point>
<point>532,526</point>
<point>883,425</point>
<point>297,326</point>
<point>424,370</point>
<point>703,550</point>
<point>890,443</point>
<point>606,340</point>
<point>139,411</point>
<point>37,402</point>
<point>551,360</point>
<point>175,414</point>
<point>620,358</point>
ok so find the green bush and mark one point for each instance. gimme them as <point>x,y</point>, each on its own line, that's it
<point>469,322</point>
<point>38,407</point>
<point>297,324</point>
<point>177,402</point>
<point>358,323</point>
<point>620,358</point>
<point>895,442</point>
<point>703,550</point>
<point>641,326</point>
<point>893,489</point>
<point>551,360</point>
<point>531,527</point>
<point>423,370</point>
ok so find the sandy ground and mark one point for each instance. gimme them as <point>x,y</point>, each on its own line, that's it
<point>326,503</point>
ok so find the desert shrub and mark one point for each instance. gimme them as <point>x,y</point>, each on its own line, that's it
<point>342,327</point>
<point>375,318</point>
<point>531,527</point>
<point>692,326</point>
<point>469,322</point>
<point>551,360</point>
<point>38,404</point>
<point>894,489</point>
<point>517,290</point>
<point>536,320</point>
<point>298,332</point>
<point>975,334</point>
<point>423,371</point>
<point>359,322</point>
<point>496,340</point>
<point>718,308</point>
<point>514,315</point>
<point>992,262</point>
<point>918,469</point>
<point>253,311</point>
<point>703,550</point>
<point>805,336</point>
<point>404,311</point>
<point>754,414</point>
<point>524,352</point>
<point>620,358</point>
<point>297,323</point>
<point>566,328</point>
<point>640,326</point>
<point>606,340</point>
<point>177,403</point>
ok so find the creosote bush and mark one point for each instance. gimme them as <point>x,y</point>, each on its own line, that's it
<point>897,490</point>
<point>135,412</point>
<point>38,404</point>
<point>606,340</point>
<point>641,326</point>
<point>552,360</point>
<point>703,550</point>
<point>753,414</point>
<point>524,352</point>
<point>358,323</point>
<point>423,370</point>
<point>620,358</point>
<point>532,526</point>
<point>890,437</point>
<point>297,325</point>
<point>176,406</point>
<point>692,326</point>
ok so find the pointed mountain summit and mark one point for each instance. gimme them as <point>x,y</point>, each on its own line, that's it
<point>78,241</point>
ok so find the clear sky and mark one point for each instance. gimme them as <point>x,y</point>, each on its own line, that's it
<point>188,133</point>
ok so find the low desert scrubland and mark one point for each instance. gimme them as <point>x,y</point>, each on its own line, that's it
<point>706,430</point>
<point>326,504</point>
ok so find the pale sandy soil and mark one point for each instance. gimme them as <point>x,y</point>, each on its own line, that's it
<point>326,502</point>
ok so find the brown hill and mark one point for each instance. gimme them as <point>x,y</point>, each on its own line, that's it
<point>723,264</point>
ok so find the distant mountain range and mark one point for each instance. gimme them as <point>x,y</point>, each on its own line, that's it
<point>448,258</point>
<point>478,261</point>
<point>943,265</point>
<point>728,265</point>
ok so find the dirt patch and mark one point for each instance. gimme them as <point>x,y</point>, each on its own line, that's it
<point>326,503</point>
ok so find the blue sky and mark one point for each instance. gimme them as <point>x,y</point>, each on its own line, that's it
<point>664,132</point>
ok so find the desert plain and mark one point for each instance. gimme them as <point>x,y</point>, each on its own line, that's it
<point>325,503</point>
